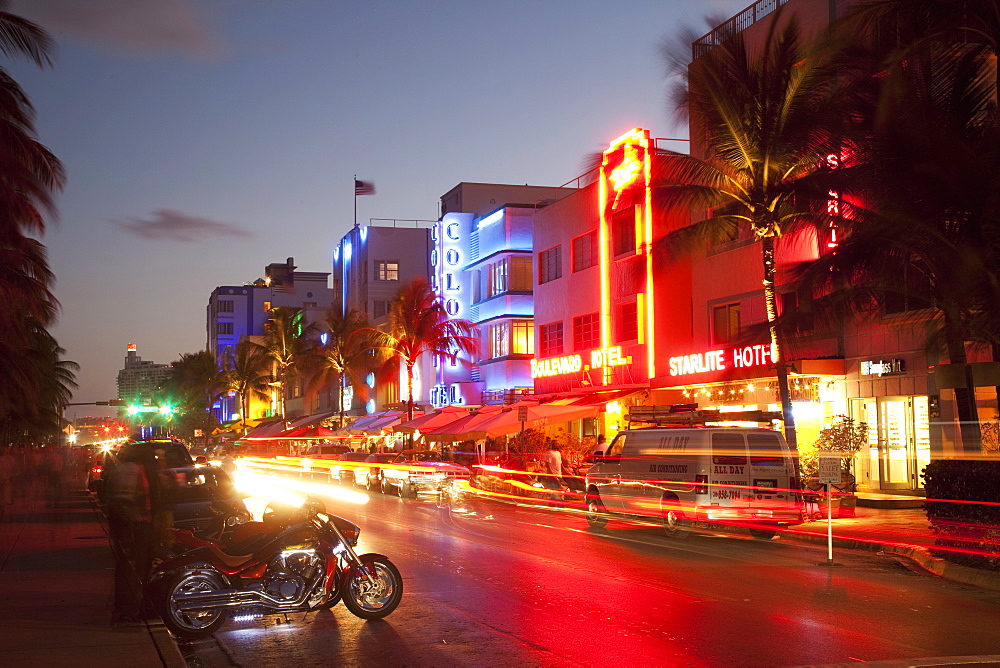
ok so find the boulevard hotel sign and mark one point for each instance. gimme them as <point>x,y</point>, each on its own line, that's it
<point>598,359</point>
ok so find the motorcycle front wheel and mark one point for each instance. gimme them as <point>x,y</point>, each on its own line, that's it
<point>196,623</point>
<point>374,591</point>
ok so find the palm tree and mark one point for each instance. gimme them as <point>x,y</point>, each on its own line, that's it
<point>343,355</point>
<point>249,375</point>
<point>929,235</point>
<point>31,175</point>
<point>418,323</point>
<point>763,120</point>
<point>284,343</point>
<point>198,381</point>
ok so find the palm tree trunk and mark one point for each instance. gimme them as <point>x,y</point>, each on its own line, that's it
<point>409,400</point>
<point>340,399</point>
<point>777,355</point>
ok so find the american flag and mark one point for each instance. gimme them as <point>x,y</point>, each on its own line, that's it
<point>364,187</point>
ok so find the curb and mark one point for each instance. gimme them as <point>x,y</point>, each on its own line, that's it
<point>166,646</point>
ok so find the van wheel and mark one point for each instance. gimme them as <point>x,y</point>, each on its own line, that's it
<point>596,513</point>
<point>762,534</point>
<point>673,523</point>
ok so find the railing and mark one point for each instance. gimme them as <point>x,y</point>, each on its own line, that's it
<point>373,222</point>
<point>734,26</point>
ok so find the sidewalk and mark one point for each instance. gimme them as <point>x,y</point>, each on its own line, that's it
<point>56,586</point>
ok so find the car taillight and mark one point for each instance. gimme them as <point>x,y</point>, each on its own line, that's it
<point>701,484</point>
<point>96,468</point>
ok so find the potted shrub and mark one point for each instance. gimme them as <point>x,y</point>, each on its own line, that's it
<point>847,438</point>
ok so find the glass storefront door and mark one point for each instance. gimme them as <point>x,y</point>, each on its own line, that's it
<point>899,441</point>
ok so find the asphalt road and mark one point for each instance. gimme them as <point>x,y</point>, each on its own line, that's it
<point>490,584</point>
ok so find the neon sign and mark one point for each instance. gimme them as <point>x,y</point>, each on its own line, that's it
<point>556,366</point>
<point>719,360</point>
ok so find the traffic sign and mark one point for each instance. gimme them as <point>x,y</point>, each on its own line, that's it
<point>522,413</point>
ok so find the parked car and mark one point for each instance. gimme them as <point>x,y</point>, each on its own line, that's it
<point>369,475</point>
<point>415,471</point>
<point>342,470</point>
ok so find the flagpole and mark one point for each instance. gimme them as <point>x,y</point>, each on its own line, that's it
<point>355,200</point>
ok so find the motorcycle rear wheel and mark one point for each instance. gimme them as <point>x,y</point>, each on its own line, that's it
<point>197,624</point>
<point>374,597</point>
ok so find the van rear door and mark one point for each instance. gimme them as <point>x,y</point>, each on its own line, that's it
<point>729,480</point>
<point>772,476</point>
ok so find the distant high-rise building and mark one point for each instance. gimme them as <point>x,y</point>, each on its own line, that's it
<point>235,311</point>
<point>139,380</point>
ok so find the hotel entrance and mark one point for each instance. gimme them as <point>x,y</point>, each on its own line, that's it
<point>898,442</point>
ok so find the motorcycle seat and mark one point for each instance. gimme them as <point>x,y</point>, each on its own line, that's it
<point>231,560</point>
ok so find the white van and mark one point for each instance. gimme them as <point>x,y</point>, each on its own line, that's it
<point>741,476</point>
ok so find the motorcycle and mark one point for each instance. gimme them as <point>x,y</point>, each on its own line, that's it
<point>296,560</point>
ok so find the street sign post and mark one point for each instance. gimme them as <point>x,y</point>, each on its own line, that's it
<point>829,474</point>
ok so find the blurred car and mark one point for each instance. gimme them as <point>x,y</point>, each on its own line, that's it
<point>203,498</point>
<point>327,451</point>
<point>197,496</point>
<point>342,470</point>
<point>414,472</point>
<point>369,475</point>
<point>156,454</point>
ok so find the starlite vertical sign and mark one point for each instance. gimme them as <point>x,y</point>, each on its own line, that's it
<point>624,185</point>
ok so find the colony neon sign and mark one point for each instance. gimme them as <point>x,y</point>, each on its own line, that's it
<point>719,360</point>
<point>600,358</point>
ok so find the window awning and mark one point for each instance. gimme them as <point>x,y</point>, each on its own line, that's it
<point>438,418</point>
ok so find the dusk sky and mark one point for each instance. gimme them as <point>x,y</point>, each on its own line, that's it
<point>205,139</point>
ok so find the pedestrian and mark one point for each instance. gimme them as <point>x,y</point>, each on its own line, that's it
<point>130,524</point>
<point>600,446</point>
<point>552,467</point>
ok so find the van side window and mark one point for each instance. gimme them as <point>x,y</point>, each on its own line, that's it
<point>728,449</point>
<point>765,450</point>
<point>616,446</point>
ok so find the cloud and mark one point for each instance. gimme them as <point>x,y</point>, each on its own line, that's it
<point>178,226</point>
<point>150,27</point>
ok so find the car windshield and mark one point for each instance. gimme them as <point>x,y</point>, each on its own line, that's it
<point>388,457</point>
<point>354,456</point>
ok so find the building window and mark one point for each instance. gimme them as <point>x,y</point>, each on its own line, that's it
<point>726,323</point>
<point>512,338</point>
<point>509,274</point>
<point>387,270</point>
<point>267,307</point>
<point>550,339</point>
<point>225,328</point>
<point>499,340</point>
<point>550,264</point>
<point>585,251</point>
<point>520,274</point>
<point>586,332</point>
<point>497,279</point>
<point>628,322</point>
<point>623,232</point>
<point>799,319</point>
<point>225,306</point>
<point>522,337</point>
<point>380,308</point>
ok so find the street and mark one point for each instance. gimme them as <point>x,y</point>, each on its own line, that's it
<point>488,583</point>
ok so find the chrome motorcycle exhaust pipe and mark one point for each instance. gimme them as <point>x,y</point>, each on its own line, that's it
<point>217,599</point>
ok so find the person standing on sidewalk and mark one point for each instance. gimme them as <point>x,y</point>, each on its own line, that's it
<point>130,524</point>
<point>552,468</point>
